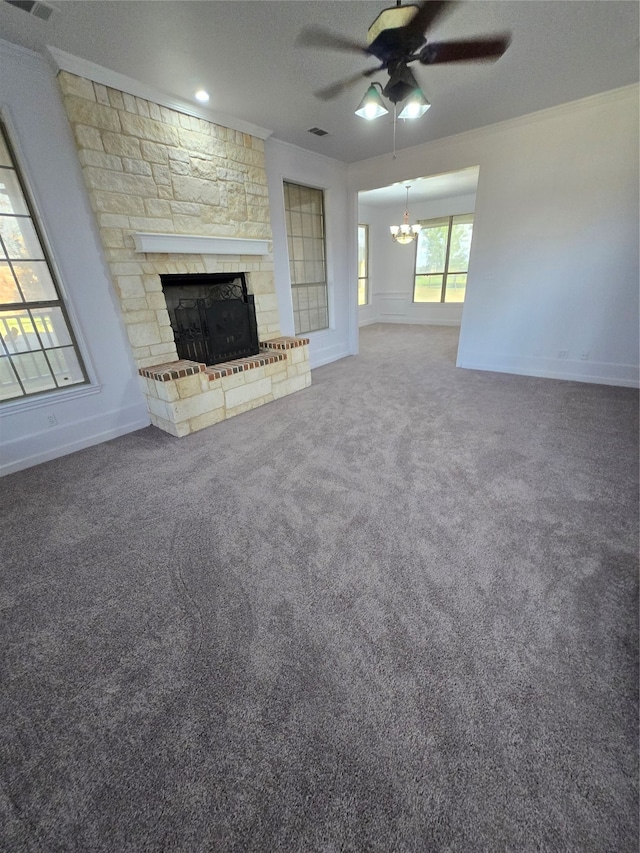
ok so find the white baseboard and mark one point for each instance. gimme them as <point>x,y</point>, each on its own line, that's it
<point>21,453</point>
<point>326,358</point>
<point>410,321</point>
<point>597,373</point>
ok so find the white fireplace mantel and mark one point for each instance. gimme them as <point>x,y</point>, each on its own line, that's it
<point>195,244</point>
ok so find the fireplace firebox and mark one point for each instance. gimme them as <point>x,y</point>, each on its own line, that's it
<point>212,315</point>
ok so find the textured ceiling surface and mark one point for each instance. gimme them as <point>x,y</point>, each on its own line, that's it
<point>244,53</point>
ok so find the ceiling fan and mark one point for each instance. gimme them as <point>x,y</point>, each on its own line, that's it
<point>396,38</point>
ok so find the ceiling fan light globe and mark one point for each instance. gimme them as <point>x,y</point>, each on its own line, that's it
<point>371,105</point>
<point>416,106</point>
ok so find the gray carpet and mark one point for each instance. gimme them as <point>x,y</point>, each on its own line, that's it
<point>396,611</point>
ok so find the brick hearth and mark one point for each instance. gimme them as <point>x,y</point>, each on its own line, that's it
<point>185,396</point>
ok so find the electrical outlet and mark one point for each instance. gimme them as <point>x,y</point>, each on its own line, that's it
<point>563,353</point>
<point>585,355</point>
<point>52,420</point>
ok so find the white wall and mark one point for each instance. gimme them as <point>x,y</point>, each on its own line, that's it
<point>554,259</point>
<point>286,162</point>
<point>112,404</point>
<point>392,266</point>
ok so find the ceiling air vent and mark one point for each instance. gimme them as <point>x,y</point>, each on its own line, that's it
<point>33,7</point>
<point>318,131</point>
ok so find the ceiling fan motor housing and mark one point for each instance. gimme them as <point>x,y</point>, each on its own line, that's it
<point>387,37</point>
<point>402,83</point>
<point>390,19</point>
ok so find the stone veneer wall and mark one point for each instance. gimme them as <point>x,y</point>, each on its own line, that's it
<point>151,169</point>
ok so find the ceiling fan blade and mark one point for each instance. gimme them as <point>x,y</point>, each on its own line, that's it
<point>338,88</point>
<point>317,37</point>
<point>428,12</point>
<point>464,50</point>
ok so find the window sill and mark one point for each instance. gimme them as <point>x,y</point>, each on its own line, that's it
<point>48,398</point>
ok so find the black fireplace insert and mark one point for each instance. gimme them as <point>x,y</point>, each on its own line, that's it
<point>212,316</point>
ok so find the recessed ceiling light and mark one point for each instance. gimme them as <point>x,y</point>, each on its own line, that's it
<point>201,96</point>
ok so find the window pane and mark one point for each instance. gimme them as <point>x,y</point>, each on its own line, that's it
<point>34,373</point>
<point>11,197</point>
<point>456,286</point>
<point>362,252</point>
<point>8,288</point>
<point>51,327</point>
<point>309,251</point>
<point>65,365</point>
<point>428,288</point>
<point>294,196</point>
<point>19,237</point>
<point>363,262</point>
<point>307,225</point>
<point>35,281</point>
<point>17,332</point>
<point>296,224</point>
<point>461,233</point>
<point>5,157</point>
<point>432,249</point>
<point>10,388</point>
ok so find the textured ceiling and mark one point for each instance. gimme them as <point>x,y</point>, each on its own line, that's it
<point>244,54</point>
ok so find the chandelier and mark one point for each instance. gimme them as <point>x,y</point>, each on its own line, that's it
<point>405,233</point>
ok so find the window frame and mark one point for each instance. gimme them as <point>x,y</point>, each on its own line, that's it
<point>446,272</point>
<point>28,397</point>
<point>365,277</point>
<point>296,245</point>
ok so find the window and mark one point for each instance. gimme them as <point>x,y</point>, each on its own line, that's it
<point>304,211</point>
<point>363,264</point>
<point>37,349</point>
<point>442,259</point>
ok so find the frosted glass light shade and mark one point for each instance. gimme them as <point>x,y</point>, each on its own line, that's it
<point>404,233</point>
<point>371,106</point>
<point>416,105</point>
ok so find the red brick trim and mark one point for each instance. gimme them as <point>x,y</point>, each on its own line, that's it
<point>172,370</point>
<point>284,343</point>
<point>179,369</point>
<point>238,365</point>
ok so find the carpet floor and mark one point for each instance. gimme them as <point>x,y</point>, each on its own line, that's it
<point>396,611</point>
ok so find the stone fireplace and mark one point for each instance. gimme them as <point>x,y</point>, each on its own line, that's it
<point>176,195</point>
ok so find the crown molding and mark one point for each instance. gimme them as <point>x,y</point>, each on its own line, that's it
<point>274,141</point>
<point>591,101</point>
<point>63,61</point>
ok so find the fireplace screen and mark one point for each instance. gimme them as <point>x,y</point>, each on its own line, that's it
<point>212,316</point>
